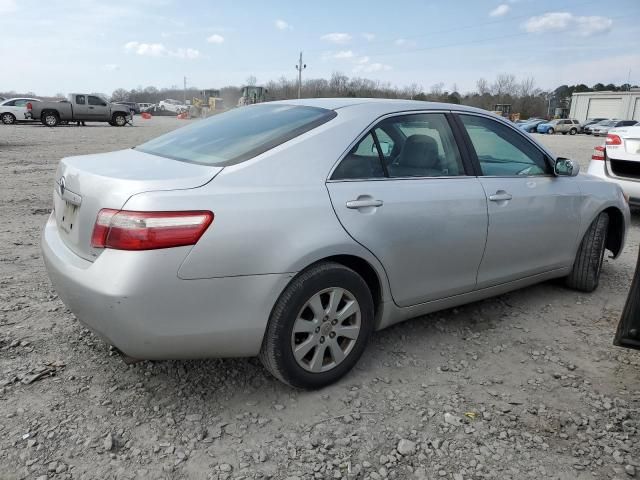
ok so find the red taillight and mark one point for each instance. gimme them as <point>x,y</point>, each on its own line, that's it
<point>613,139</point>
<point>598,153</point>
<point>29,106</point>
<point>124,230</point>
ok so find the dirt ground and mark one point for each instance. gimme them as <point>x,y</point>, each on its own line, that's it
<point>525,385</point>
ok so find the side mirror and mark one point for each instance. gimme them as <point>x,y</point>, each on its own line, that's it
<point>565,167</point>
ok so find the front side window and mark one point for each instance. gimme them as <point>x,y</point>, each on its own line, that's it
<point>96,101</point>
<point>237,135</point>
<point>502,151</point>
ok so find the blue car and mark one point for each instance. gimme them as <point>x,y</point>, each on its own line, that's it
<point>547,127</point>
<point>531,126</point>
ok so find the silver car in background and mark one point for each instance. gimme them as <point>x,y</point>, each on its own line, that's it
<point>291,230</point>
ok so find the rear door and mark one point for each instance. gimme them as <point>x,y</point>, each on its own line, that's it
<point>405,192</point>
<point>97,110</point>
<point>80,111</point>
<point>533,215</point>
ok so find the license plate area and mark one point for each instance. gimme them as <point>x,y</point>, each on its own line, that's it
<point>632,146</point>
<point>67,218</point>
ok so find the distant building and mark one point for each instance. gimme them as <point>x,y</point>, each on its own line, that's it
<point>622,105</point>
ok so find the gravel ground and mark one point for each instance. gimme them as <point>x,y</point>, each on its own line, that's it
<point>525,385</point>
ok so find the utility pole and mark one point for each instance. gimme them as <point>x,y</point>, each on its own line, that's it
<point>300,66</point>
<point>184,92</point>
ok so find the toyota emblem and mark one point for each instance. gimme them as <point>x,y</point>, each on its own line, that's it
<point>62,187</point>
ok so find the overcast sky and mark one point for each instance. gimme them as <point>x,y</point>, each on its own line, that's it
<point>98,45</point>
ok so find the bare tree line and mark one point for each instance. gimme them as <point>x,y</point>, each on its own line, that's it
<point>523,94</point>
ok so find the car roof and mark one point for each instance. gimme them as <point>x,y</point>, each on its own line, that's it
<point>20,98</point>
<point>378,104</point>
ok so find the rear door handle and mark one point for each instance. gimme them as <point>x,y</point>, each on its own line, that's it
<point>355,204</point>
<point>500,196</point>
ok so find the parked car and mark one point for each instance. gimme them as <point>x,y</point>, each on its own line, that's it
<point>133,107</point>
<point>531,126</point>
<point>79,107</point>
<point>559,125</point>
<point>173,106</point>
<point>157,248</point>
<point>601,129</point>
<point>15,109</point>
<point>628,331</point>
<point>618,161</point>
<point>590,122</point>
<point>145,106</point>
<point>589,129</point>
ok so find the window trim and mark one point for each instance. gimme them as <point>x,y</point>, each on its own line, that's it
<point>547,158</point>
<point>466,161</point>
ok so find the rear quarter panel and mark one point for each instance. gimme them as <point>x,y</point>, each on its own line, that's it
<point>64,109</point>
<point>272,214</point>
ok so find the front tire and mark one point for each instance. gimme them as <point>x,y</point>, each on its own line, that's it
<point>551,131</point>
<point>573,131</point>
<point>319,326</point>
<point>8,118</point>
<point>587,266</point>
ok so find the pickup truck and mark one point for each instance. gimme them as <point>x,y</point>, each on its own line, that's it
<point>79,107</point>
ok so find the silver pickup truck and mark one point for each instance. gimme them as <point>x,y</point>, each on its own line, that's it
<point>79,107</point>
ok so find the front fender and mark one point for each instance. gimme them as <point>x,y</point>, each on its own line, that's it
<point>600,196</point>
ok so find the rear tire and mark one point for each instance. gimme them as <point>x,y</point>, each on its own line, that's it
<point>8,118</point>
<point>319,326</point>
<point>118,120</point>
<point>551,131</point>
<point>587,266</point>
<point>50,119</point>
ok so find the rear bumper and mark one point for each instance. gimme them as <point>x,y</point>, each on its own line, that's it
<point>136,302</point>
<point>629,186</point>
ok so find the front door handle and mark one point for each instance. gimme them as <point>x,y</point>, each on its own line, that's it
<point>355,204</point>
<point>500,196</point>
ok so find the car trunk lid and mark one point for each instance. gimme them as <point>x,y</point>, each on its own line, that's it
<point>85,185</point>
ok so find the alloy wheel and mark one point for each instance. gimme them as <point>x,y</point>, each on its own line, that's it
<point>326,330</point>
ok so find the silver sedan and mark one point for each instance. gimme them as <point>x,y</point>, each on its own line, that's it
<point>292,230</point>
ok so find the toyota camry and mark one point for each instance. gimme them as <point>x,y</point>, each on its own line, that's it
<point>292,230</point>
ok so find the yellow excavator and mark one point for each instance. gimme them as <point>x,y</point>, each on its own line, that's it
<point>207,104</point>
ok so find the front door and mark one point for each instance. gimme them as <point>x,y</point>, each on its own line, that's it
<point>533,215</point>
<point>98,110</point>
<point>403,193</point>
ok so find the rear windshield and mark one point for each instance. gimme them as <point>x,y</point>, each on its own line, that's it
<point>237,135</point>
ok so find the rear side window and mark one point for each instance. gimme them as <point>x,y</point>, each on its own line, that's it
<point>80,99</point>
<point>363,161</point>
<point>237,135</point>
